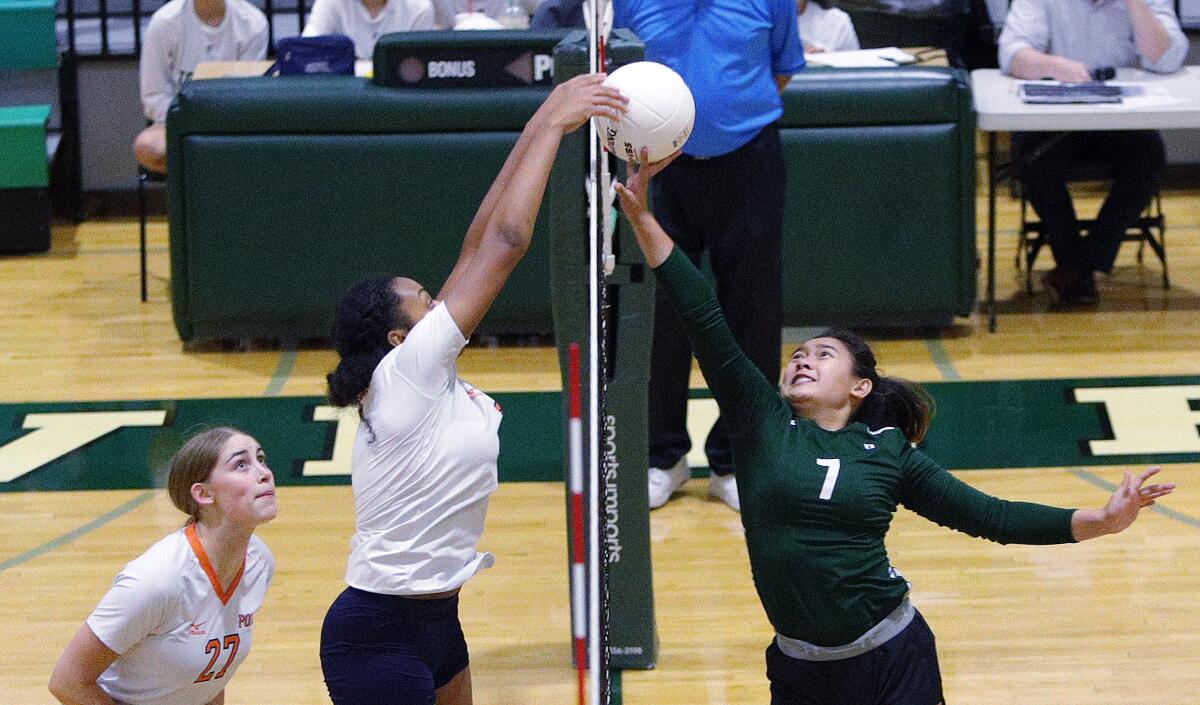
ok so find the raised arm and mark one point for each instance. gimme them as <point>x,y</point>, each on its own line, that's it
<point>743,394</point>
<point>656,244</point>
<point>500,234</point>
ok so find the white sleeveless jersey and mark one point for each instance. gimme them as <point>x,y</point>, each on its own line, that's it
<point>423,468</point>
<point>180,634</point>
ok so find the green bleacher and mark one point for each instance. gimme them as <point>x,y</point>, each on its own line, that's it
<point>27,43</point>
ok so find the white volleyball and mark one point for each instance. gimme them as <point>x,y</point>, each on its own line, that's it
<point>660,113</point>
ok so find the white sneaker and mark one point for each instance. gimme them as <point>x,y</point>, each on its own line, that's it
<point>724,488</point>
<point>663,483</point>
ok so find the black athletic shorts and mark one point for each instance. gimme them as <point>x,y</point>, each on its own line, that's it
<point>903,671</point>
<point>390,650</point>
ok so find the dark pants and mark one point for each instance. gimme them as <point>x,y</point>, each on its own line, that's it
<point>390,650</point>
<point>1134,159</point>
<point>732,206</point>
<point>903,671</point>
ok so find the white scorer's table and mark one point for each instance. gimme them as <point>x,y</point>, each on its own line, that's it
<point>1170,101</point>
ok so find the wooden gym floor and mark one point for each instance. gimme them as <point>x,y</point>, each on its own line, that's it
<point>1114,621</point>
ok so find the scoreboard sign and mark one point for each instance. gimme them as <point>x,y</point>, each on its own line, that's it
<point>478,68</point>
<point>512,60</point>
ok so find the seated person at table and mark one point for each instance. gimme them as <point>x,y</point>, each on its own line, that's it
<point>182,34</point>
<point>556,14</point>
<point>365,21</point>
<point>1068,40</point>
<point>823,27</point>
<point>446,10</point>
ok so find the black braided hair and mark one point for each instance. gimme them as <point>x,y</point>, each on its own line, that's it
<point>367,312</point>
<point>892,401</point>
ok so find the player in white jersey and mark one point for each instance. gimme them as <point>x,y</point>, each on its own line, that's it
<point>181,35</point>
<point>177,621</point>
<point>424,459</point>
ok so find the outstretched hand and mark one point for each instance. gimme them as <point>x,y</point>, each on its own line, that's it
<point>573,102</point>
<point>653,240</point>
<point>1130,497</point>
<point>635,191</point>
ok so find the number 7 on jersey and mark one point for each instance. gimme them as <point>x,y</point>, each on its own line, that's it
<point>832,467</point>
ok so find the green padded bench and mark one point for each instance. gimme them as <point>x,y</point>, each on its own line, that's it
<point>880,209</point>
<point>27,38</point>
<point>284,191</point>
<point>23,141</point>
<point>27,43</point>
<point>24,178</point>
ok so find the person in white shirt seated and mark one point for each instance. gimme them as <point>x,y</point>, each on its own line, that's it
<point>181,35</point>
<point>1068,41</point>
<point>446,12</point>
<point>177,622</point>
<point>424,460</point>
<point>365,21</point>
<point>824,27</point>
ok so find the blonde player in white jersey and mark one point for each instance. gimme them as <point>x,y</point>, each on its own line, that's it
<point>177,621</point>
<point>424,460</point>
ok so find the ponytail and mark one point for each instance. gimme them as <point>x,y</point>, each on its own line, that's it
<point>892,401</point>
<point>367,312</point>
<point>350,379</point>
<point>900,403</point>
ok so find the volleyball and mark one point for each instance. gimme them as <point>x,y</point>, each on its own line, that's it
<point>660,113</point>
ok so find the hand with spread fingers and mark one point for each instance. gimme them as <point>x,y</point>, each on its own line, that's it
<point>1130,497</point>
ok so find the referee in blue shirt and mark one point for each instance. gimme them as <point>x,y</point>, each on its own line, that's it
<point>724,194</point>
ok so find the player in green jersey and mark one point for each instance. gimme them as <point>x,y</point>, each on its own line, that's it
<point>824,459</point>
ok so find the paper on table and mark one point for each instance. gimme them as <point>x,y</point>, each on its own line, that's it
<point>861,58</point>
<point>1153,97</point>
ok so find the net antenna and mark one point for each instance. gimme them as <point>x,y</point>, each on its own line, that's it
<point>578,533</point>
<point>601,225</point>
<point>600,14</point>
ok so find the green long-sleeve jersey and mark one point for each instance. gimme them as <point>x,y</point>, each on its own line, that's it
<point>816,504</point>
